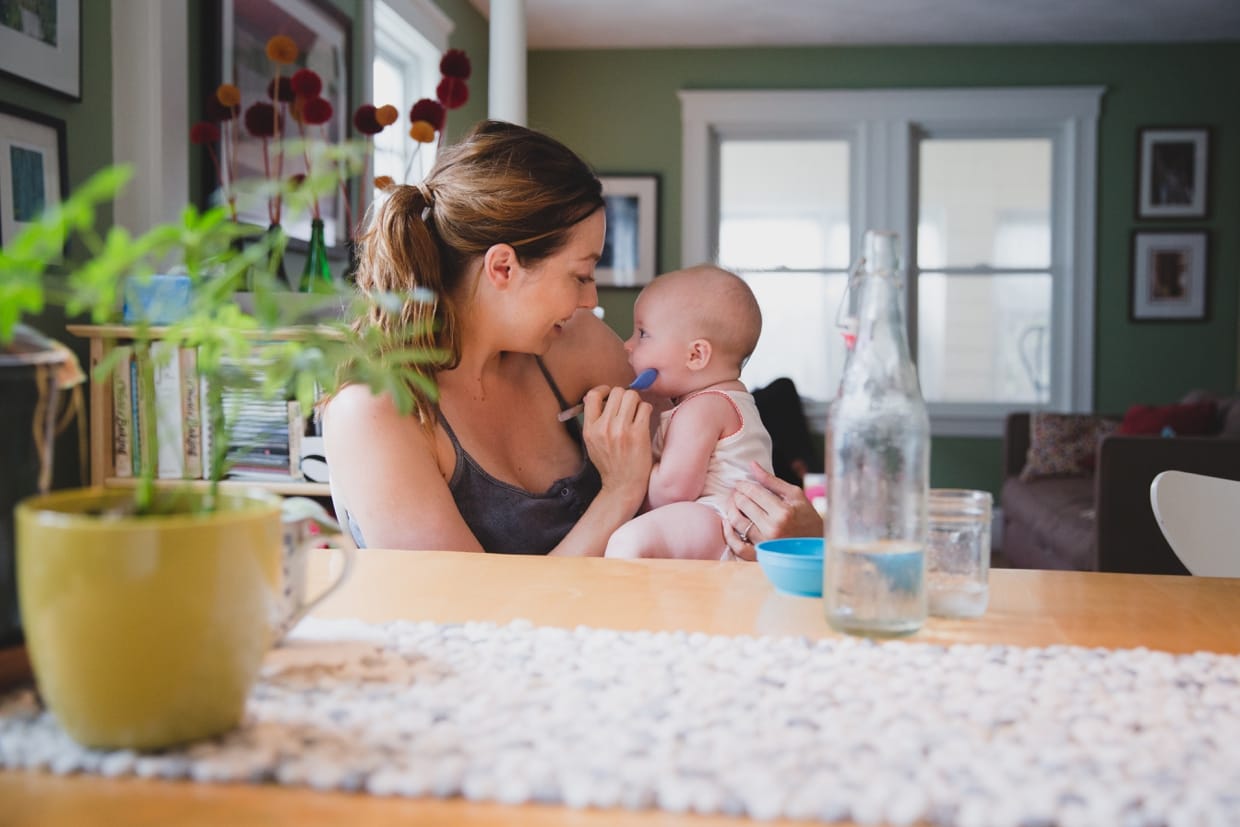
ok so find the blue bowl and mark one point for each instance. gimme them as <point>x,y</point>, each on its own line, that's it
<point>793,565</point>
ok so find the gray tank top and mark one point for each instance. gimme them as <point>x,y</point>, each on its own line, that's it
<point>510,520</point>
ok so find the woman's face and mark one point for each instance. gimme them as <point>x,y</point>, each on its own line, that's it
<point>561,284</point>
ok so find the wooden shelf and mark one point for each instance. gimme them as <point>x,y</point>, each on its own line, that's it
<point>295,488</point>
<point>102,339</point>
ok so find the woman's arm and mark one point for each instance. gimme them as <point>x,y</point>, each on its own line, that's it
<point>381,461</point>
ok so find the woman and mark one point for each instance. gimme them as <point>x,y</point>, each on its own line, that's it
<point>505,232</point>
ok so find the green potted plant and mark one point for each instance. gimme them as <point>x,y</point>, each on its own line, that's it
<point>147,610</point>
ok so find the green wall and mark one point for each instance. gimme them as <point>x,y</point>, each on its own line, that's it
<point>88,123</point>
<point>619,109</point>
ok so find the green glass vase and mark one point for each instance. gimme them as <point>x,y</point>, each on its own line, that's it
<point>316,277</point>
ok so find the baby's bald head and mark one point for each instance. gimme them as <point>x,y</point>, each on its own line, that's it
<point>716,305</point>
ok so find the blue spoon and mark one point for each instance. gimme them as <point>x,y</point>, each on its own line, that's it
<point>644,380</point>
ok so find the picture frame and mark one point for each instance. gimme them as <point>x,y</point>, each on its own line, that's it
<point>630,250</point>
<point>33,163</point>
<point>323,35</point>
<point>1170,276</point>
<point>41,44</point>
<point>1173,166</point>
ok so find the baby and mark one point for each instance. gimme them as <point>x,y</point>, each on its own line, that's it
<point>696,327</point>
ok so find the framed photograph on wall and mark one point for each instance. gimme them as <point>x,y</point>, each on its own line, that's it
<point>630,250</point>
<point>1169,276</point>
<point>1173,172</point>
<point>323,36</point>
<point>41,43</point>
<point>32,167</point>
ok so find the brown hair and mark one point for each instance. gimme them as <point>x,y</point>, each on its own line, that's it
<point>501,184</point>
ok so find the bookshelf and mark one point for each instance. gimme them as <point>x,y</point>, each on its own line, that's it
<point>102,339</point>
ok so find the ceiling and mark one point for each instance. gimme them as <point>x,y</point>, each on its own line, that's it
<point>578,24</point>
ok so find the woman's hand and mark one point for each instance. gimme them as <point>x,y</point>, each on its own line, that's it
<point>617,436</point>
<point>765,510</point>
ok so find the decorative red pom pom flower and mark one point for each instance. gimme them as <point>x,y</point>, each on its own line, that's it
<point>297,97</point>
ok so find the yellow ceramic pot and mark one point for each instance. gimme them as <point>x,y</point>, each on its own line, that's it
<point>146,631</point>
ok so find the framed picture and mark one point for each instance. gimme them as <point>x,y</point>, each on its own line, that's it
<point>630,250</point>
<point>32,167</point>
<point>323,36</point>
<point>41,43</point>
<point>1169,276</point>
<point>1172,173</point>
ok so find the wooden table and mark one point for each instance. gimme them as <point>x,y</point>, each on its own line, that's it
<point>1034,608</point>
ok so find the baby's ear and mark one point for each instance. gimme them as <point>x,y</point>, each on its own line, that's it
<point>700,351</point>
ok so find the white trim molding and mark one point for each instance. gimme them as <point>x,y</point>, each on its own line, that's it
<point>883,127</point>
<point>150,112</point>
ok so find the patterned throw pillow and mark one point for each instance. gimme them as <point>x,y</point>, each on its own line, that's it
<point>1062,445</point>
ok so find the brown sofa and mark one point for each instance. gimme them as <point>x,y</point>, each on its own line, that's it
<point>1103,521</point>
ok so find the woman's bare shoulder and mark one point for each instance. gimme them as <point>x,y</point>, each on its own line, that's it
<point>356,413</point>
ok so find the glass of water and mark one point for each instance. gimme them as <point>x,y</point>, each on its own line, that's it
<point>958,552</point>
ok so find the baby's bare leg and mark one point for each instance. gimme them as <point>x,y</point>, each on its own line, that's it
<point>687,530</point>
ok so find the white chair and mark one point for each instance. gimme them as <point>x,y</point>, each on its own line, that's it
<point>1200,517</point>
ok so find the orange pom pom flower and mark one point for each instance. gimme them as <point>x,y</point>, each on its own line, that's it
<point>281,49</point>
<point>422,132</point>
<point>228,95</point>
<point>384,182</point>
<point>386,115</point>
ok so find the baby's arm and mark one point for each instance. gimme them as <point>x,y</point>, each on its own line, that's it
<point>700,422</point>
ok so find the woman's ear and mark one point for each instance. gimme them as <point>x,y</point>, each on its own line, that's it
<point>499,264</point>
<point>700,351</point>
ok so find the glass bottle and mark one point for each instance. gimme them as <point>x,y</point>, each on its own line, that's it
<point>316,277</point>
<point>878,459</point>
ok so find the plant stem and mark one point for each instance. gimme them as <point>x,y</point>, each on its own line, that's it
<point>148,449</point>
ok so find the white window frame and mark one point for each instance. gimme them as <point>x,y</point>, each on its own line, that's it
<point>423,16</point>
<point>883,127</point>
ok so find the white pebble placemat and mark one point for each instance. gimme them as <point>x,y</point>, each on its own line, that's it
<point>835,729</point>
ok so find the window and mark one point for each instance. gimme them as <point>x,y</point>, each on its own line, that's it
<point>410,36</point>
<point>992,192</point>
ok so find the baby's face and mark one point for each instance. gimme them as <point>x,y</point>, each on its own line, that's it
<point>659,341</point>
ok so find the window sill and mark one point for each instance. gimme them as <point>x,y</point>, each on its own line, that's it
<point>977,423</point>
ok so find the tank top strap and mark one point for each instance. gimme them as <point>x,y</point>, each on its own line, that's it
<point>573,427</point>
<point>564,405</point>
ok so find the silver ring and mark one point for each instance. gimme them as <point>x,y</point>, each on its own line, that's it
<point>744,535</point>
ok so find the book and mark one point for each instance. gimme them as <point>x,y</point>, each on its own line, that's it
<point>169,427</point>
<point>206,431</point>
<point>122,414</point>
<point>138,443</point>
<point>191,414</point>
